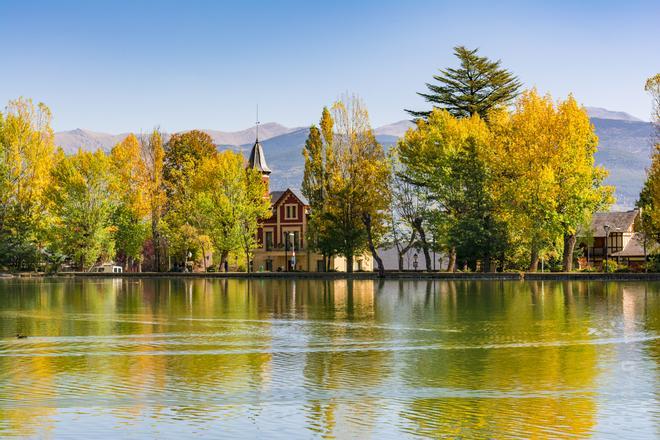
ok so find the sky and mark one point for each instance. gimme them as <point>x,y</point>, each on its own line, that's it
<point>118,66</point>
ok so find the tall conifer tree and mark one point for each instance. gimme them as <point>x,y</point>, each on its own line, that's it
<point>476,87</point>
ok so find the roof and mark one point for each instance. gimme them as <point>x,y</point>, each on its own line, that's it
<point>257,159</point>
<point>275,196</point>
<point>618,221</point>
<point>635,247</point>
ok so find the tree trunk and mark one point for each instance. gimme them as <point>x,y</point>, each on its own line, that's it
<point>156,241</point>
<point>366,219</point>
<point>488,264</point>
<point>534,260</point>
<point>569,248</point>
<point>451,265</point>
<point>349,263</point>
<point>401,253</point>
<point>223,258</point>
<point>419,227</point>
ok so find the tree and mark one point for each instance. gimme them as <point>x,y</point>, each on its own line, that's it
<point>82,201</point>
<point>405,209</point>
<point>252,206</point>
<point>652,86</point>
<point>153,157</point>
<point>131,183</point>
<point>184,155</point>
<point>230,201</point>
<point>26,157</point>
<point>649,197</point>
<point>478,232</point>
<point>319,161</point>
<point>476,87</point>
<point>543,154</point>
<point>449,158</point>
<point>355,174</point>
<point>580,189</point>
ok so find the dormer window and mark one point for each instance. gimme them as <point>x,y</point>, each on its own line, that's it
<point>291,212</point>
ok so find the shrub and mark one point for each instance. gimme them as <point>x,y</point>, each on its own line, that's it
<point>610,266</point>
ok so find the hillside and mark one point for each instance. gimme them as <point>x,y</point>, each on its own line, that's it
<point>624,149</point>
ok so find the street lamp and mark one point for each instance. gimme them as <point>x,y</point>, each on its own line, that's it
<point>293,251</point>
<point>607,228</point>
<point>415,261</point>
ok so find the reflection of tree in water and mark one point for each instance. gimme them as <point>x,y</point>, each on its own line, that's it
<point>146,327</point>
<point>346,312</point>
<point>500,349</point>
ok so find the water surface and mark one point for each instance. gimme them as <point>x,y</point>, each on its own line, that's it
<point>172,358</point>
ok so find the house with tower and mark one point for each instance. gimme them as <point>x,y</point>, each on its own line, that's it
<point>282,238</point>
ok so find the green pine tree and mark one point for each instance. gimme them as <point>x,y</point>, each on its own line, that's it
<point>477,86</point>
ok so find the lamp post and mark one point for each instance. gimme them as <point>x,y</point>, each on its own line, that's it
<point>286,258</point>
<point>434,253</point>
<point>607,228</point>
<point>293,251</point>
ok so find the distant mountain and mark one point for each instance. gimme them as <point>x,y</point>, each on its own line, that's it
<point>602,113</point>
<point>397,129</point>
<point>624,149</point>
<point>71,141</point>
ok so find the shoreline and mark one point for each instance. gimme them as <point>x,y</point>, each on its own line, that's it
<point>393,275</point>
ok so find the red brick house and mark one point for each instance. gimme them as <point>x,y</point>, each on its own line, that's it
<point>281,238</point>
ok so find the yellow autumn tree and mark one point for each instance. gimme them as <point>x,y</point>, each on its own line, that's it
<point>26,157</point>
<point>130,181</point>
<point>543,155</point>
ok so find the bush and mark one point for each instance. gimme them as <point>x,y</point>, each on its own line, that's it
<point>610,266</point>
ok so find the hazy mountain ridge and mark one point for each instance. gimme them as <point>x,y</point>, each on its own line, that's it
<point>625,148</point>
<point>88,140</point>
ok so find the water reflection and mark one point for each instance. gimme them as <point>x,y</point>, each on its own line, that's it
<point>307,358</point>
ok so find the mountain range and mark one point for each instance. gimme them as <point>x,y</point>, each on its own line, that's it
<point>624,148</point>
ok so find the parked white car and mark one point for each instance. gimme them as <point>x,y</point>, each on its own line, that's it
<point>108,268</point>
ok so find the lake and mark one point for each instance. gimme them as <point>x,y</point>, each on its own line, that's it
<point>174,358</point>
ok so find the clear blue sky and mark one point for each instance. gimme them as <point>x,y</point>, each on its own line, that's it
<point>119,66</point>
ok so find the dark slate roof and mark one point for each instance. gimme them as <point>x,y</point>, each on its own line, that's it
<point>618,221</point>
<point>258,159</point>
<point>635,247</point>
<point>275,196</point>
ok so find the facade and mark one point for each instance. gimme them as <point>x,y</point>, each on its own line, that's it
<point>614,236</point>
<point>281,238</point>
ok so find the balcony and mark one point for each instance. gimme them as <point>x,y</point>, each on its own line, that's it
<point>280,247</point>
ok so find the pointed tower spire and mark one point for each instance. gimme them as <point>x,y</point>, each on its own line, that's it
<point>257,157</point>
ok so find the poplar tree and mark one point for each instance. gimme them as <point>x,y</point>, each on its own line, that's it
<point>131,183</point>
<point>82,201</point>
<point>27,155</point>
<point>476,87</point>
<point>649,197</point>
<point>347,180</point>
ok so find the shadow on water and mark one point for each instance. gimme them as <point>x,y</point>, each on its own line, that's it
<point>342,358</point>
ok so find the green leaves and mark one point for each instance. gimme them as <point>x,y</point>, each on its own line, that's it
<point>474,88</point>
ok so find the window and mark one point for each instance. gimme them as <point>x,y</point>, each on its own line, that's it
<point>291,242</point>
<point>269,240</point>
<point>614,242</point>
<point>290,212</point>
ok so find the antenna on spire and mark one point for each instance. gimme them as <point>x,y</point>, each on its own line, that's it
<point>257,122</point>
